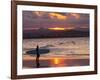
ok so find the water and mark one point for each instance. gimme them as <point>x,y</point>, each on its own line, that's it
<point>62,52</point>
<point>59,46</point>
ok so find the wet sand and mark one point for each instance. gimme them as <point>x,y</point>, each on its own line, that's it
<point>55,61</point>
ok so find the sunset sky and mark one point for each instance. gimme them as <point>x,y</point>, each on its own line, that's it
<point>40,19</point>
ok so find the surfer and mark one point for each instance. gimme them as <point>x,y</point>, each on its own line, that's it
<point>37,56</point>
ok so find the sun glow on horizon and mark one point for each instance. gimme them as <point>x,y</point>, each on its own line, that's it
<point>57,28</point>
<point>60,29</point>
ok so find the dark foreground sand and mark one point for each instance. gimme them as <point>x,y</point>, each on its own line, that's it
<point>64,61</point>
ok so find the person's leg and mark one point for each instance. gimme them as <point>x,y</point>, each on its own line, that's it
<point>37,62</point>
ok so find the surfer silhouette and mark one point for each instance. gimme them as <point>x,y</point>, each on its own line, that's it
<point>37,57</point>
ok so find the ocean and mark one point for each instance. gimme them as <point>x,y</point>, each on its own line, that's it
<point>58,46</point>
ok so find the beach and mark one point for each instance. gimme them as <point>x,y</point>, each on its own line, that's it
<point>56,52</point>
<point>55,61</point>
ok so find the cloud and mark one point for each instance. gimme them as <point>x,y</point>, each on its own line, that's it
<point>50,15</point>
<point>76,15</point>
<point>57,16</point>
<point>39,13</point>
<point>39,19</point>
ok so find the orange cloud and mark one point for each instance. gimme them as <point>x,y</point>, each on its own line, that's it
<point>57,16</point>
<point>76,15</point>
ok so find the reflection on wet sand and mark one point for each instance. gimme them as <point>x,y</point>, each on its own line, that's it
<point>30,61</point>
<point>57,62</point>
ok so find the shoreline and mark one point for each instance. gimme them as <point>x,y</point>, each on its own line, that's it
<point>29,57</point>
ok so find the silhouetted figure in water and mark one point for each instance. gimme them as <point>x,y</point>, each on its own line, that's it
<point>37,57</point>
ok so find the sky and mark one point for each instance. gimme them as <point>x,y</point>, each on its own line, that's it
<point>41,19</point>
